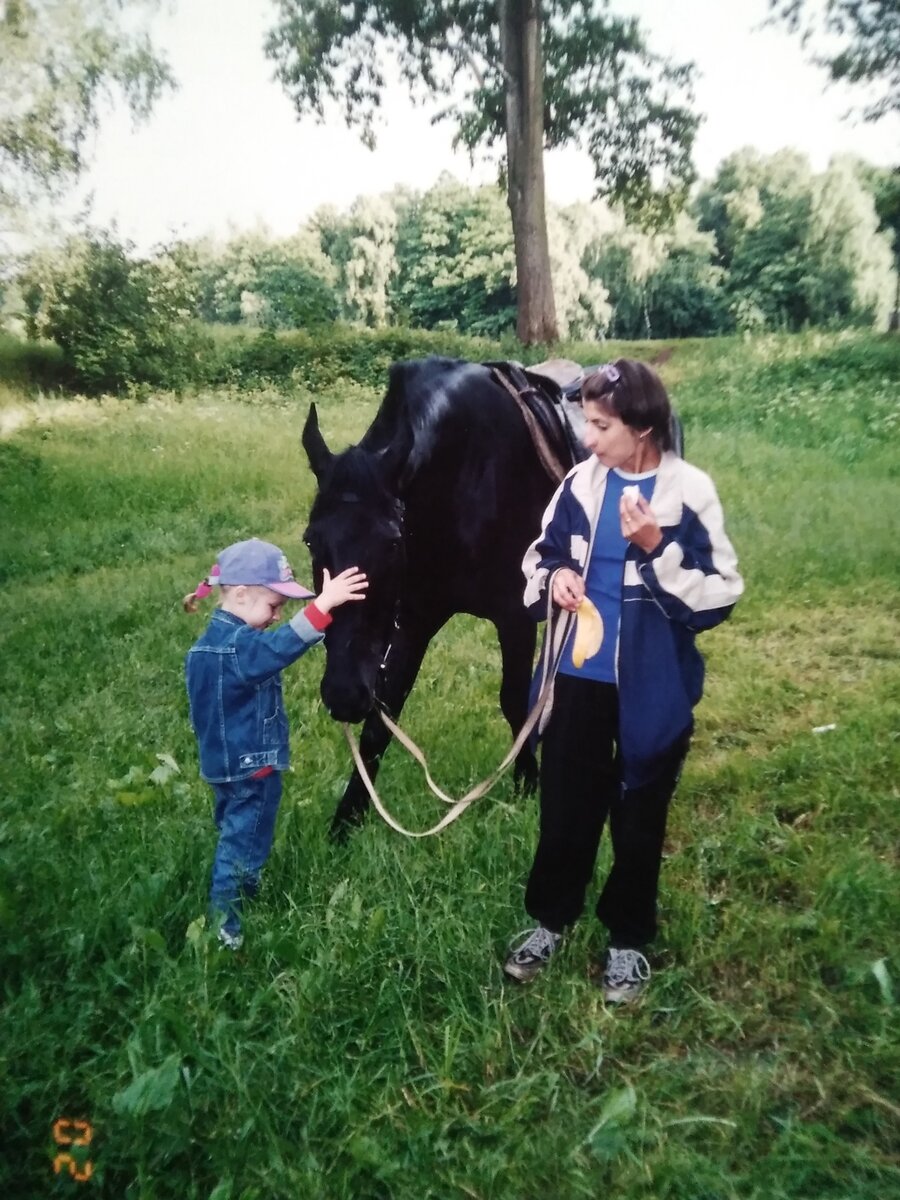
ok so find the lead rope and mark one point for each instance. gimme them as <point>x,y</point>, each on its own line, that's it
<point>459,806</point>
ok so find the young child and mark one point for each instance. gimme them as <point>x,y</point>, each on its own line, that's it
<point>233,674</point>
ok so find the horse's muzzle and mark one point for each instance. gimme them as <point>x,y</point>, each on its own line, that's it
<point>348,703</point>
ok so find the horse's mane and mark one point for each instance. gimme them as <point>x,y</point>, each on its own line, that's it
<point>420,394</point>
<point>354,474</point>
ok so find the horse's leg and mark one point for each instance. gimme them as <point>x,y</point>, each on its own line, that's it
<point>517,634</point>
<point>403,662</point>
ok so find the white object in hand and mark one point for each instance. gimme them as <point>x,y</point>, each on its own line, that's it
<point>631,492</point>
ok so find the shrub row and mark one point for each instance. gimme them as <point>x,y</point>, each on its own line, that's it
<point>32,365</point>
<point>314,360</point>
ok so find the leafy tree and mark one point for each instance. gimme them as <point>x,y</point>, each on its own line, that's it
<point>866,36</point>
<point>119,321</point>
<point>884,184</point>
<point>294,284</point>
<point>797,249</point>
<point>60,59</point>
<point>200,262</point>
<point>361,247</point>
<point>523,73</point>
<point>294,296</point>
<point>455,261</point>
<point>662,284</point>
<point>445,259</point>
<point>852,279</point>
<point>759,211</point>
<point>612,263</point>
<point>253,279</point>
<point>582,298</point>
<point>685,292</point>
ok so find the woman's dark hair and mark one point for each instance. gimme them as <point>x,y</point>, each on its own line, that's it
<point>634,393</point>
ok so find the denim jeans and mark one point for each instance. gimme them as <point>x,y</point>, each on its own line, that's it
<point>245,815</point>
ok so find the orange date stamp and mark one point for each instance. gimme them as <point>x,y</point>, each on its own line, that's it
<point>67,1132</point>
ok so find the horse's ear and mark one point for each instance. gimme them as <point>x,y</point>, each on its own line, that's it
<point>317,452</point>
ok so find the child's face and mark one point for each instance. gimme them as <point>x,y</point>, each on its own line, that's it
<point>260,607</point>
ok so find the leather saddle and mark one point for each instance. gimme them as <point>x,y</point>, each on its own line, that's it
<point>549,396</point>
<point>553,419</point>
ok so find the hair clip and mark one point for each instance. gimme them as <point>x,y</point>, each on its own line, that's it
<point>205,586</point>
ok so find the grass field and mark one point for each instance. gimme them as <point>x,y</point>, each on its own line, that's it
<point>365,1043</point>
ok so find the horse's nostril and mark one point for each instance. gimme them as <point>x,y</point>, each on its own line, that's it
<point>349,703</point>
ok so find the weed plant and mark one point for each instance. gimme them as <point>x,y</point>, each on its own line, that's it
<point>365,1043</point>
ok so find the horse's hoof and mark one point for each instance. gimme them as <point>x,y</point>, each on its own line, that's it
<point>525,778</point>
<point>345,823</point>
<point>339,833</point>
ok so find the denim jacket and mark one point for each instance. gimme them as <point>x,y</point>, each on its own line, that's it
<point>233,675</point>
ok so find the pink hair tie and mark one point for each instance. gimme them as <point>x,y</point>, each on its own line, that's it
<point>205,586</point>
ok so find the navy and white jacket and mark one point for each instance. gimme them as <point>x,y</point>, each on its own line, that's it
<point>688,584</point>
<point>233,676</point>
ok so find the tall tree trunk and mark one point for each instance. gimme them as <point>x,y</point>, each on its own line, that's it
<point>520,48</point>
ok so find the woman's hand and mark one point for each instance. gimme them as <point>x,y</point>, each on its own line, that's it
<point>568,589</point>
<point>639,525</point>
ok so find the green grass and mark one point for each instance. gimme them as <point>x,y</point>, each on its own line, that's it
<point>365,1043</point>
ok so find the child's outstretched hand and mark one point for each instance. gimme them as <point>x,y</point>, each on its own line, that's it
<point>351,584</point>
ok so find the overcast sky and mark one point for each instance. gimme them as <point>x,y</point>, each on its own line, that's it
<point>226,151</point>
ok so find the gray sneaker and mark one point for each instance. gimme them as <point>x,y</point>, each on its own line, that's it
<point>625,976</point>
<point>526,960</point>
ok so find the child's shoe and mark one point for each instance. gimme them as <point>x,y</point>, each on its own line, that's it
<point>230,941</point>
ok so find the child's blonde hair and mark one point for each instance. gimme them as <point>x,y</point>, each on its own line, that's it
<point>191,602</point>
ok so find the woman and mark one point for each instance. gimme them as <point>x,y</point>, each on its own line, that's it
<point>639,532</point>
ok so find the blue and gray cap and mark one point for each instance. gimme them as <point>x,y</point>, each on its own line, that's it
<point>258,564</point>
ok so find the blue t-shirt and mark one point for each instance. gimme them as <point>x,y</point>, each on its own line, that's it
<point>603,582</point>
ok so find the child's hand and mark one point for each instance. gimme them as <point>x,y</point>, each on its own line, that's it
<point>351,584</point>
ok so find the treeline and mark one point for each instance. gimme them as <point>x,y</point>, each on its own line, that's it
<point>766,245</point>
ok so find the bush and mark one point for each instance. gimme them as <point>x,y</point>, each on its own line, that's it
<point>316,360</point>
<point>119,321</point>
<point>31,365</point>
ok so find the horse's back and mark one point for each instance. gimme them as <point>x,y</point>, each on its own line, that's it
<point>449,409</point>
<point>473,488</point>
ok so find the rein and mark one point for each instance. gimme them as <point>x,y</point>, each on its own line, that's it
<point>459,806</point>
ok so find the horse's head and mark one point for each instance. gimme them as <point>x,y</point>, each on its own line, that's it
<point>356,520</point>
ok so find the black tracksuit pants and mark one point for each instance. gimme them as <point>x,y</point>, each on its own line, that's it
<point>580,787</point>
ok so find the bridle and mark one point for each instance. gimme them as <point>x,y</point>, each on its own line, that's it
<point>554,638</point>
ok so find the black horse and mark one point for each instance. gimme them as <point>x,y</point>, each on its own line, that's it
<point>437,504</point>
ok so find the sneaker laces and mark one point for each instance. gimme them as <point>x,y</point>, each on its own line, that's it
<point>540,942</point>
<point>626,966</point>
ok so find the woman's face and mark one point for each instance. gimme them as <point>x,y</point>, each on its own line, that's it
<point>614,443</point>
